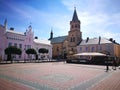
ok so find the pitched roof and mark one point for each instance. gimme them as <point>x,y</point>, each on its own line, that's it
<point>15,32</point>
<point>58,39</point>
<point>75,17</point>
<point>95,41</point>
<point>41,41</point>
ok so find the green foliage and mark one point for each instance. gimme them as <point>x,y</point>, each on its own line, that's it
<point>13,50</point>
<point>43,50</point>
<point>31,51</point>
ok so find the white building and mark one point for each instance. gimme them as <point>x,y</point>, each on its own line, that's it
<point>40,43</point>
<point>102,45</point>
<point>24,41</point>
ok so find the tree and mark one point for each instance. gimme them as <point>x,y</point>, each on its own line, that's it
<point>12,50</point>
<point>31,51</point>
<point>43,51</point>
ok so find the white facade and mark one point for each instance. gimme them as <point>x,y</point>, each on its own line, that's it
<point>24,41</point>
<point>102,45</point>
<point>39,43</point>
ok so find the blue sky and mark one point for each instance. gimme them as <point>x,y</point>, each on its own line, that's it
<point>98,17</point>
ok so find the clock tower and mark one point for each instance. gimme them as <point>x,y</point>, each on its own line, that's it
<point>75,34</point>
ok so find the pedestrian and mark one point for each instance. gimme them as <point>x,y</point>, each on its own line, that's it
<point>119,63</point>
<point>107,64</point>
<point>114,63</point>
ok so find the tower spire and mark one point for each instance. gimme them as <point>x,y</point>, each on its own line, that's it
<point>75,17</point>
<point>51,34</point>
<point>5,23</point>
<point>30,27</point>
<point>74,35</point>
<point>74,8</point>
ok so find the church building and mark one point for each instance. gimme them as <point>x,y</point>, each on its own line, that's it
<point>73,43</point>
<point>65,45</point>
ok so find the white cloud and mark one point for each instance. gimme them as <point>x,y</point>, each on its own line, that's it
<point>70,3</point>
<point>94,21</point>
<point>59,22</point>
<point>88,18</point>
<point>108,35</point>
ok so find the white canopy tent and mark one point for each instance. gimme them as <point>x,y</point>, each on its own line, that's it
<point>90,54</point>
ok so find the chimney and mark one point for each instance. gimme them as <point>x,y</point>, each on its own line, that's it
<point>114,41</point>
<point>87,39</point>
<point>36,37</point>
<point>111,39</point>
<point>51,35</point>
<point>5,23</point>
<point>12,28</point>
<point>99,40</point>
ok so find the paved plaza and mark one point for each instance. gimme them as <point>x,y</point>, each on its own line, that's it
<point>57,76</point>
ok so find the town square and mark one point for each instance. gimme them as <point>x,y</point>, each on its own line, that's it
<point>59,45</point>
<point>57,76</point>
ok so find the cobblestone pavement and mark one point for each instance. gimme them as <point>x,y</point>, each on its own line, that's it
<point>57,76</point>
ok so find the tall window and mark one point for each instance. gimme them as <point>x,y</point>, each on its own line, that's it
<point>86,49</point>
<point>15,44</point>
<point>57,49</point>
<point>93,49</point>
<point>10,44</point>
<point>28,46</point>
<point>20,45</point>
<point>19,56</point>
<point>108,47</point>
<point>75,26</point>
<point>72,26</point>
<point>80,48</point>
<point>73,39</point>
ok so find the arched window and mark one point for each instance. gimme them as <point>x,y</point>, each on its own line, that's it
<point>93,49</point>
<point>72,26</point>
<point>75,26</point>
<point>73,39</point>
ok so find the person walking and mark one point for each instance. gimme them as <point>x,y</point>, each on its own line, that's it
<point>107,64</point>
<point>114,63</point>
